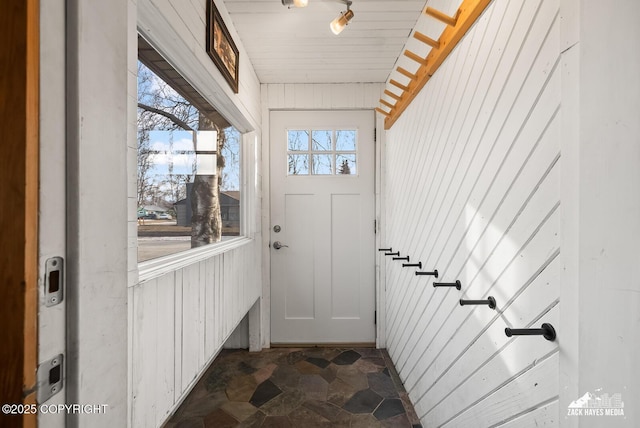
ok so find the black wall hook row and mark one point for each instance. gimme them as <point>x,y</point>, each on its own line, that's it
<point>434,273</point>
<point>401,258</point>
<point>448,284</point>
<point>387,250</point>
<point>491,302</point>
<point>418,265</point>
<point>547,331</point>
<point>397,253</point>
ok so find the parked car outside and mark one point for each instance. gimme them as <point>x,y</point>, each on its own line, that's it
<point>164,216</point>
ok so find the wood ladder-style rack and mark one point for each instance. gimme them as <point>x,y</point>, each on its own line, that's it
<point>467,14</point>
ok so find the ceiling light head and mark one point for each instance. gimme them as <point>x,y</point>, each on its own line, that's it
<point>338,24</point>
<point>295,3</point>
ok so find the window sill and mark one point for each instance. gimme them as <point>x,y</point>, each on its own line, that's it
<point>173,262</point>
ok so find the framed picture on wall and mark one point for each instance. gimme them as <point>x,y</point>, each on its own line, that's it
<point>220,46</point>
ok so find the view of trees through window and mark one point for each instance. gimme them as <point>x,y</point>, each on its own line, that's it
<point>181,206</point>
<point>322,152</point>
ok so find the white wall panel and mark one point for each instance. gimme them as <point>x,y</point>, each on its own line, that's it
<point>292,96</point>
<point>600,206</point>
<point>472,189</point>
<point>180,322</point>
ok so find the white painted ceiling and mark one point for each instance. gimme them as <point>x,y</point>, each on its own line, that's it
<point>296,45</point>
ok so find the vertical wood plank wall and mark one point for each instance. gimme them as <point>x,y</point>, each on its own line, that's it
<point>472,189</point>
<point>180,322</point>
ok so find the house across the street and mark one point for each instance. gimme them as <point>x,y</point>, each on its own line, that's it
<point>229,211</point>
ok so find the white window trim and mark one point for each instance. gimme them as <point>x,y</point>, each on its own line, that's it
<point>166,264</point>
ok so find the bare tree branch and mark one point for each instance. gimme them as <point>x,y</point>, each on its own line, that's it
<point>182,124</point>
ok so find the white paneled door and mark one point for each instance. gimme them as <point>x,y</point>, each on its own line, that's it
<point>322,227</point>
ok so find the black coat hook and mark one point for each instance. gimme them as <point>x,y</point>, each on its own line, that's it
<point>448,284</point>
<point>491,302</point>
<point>401,258</point>
<point>387,250</point>
<point>434,273</point>
<point>418,265</point>
<point>547,331</point>
<point>397,253</point>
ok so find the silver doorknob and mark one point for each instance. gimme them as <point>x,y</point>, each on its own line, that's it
<point>277,245</point>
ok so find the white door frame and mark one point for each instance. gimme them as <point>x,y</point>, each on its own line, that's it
<point>312,304</point>
<point>266,222</point>
<point>52,231</point>
<point>380,174</point>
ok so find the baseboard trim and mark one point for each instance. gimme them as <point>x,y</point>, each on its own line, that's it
<point>325,345</point>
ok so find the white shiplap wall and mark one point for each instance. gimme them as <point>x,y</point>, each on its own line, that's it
<point>180,322</point>
<point>472,189</point>
<point>321,96</point>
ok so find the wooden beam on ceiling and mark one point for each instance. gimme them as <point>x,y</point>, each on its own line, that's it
<point>386,103</point>
<point>467,14</point>
<point>407,73</point>
<point>392,95</point>
<point>399,85</point>
<point>417,58</point>
<point>426,40</point>
<point>382,112</point>
<point>451,21</point>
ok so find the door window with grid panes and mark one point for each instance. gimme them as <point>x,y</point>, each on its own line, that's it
<point>322,152</point>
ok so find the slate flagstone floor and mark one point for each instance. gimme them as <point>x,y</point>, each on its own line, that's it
<point>301,387</point>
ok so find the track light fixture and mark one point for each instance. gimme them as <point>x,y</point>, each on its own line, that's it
<point>295,3</point>
<point>338,24</point>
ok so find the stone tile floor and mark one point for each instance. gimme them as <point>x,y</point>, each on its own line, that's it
<point>301,387</point>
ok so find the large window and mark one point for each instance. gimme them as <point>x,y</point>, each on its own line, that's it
<point>188,186</point>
